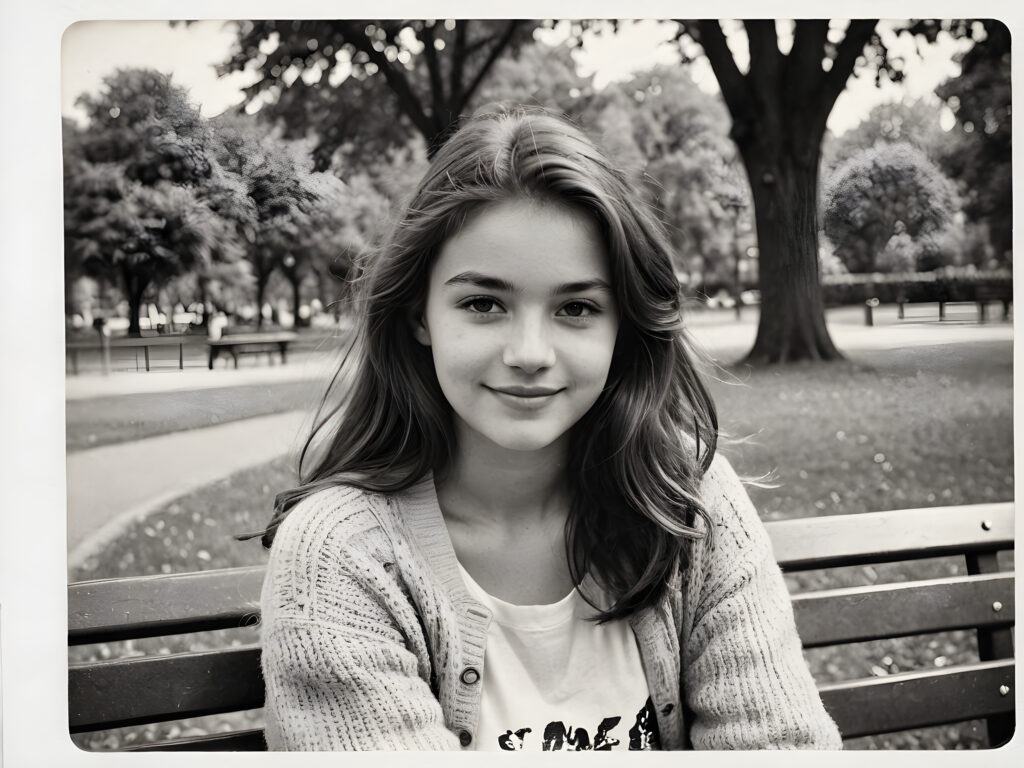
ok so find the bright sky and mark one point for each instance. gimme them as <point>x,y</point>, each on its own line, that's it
<point>94,49</point>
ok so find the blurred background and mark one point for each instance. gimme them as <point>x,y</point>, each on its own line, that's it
<point>221,180</point>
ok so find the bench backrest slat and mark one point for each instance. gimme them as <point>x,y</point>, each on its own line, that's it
<point>253,338</point>
<point>149,606</point>
<point>164,688</point>
<point>857,614</point>
<point>920,699</point>
<point>162,605</point>
<point>872,537</point>
<point>146,606</point>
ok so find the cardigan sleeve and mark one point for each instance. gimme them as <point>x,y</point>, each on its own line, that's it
<point>344,661</point>
<point>745,678</point>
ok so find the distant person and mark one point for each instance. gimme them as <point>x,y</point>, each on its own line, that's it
<point>216,325</point>
<point>516,534</point>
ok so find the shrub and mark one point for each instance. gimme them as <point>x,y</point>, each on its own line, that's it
<point>881,192</point>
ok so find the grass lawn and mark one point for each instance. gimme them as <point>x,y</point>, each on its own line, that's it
<point>116,419</point>
<point>918,427</point>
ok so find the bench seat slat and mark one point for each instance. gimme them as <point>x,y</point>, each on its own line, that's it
<point>875,537</point>
<point>149,606</point>
<point>857,614</point>
<point>238,741</point>
<point>111,694</point>
<point>919,699</point>
<point>860,707</point>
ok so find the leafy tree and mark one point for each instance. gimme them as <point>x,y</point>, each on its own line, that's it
<point>541,75</point>
<point>779,108</point>
<point>274,175</point>
<point>227,195</point>
<point>305,224</point>
<point>322,74</point>
<point>910,122</point>
<point>148,125</point>
<point>134,199</point>
<point>886,191</point>
<point>696,178</point>
<point>980,99</point>
<point>340,224</point>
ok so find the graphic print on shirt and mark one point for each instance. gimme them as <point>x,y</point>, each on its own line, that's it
<point>558,737</point>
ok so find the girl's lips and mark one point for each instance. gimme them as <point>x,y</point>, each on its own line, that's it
<point>525,392</point>
<point>524,399</point>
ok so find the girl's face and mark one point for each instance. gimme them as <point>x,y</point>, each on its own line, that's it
<point>521,320</point>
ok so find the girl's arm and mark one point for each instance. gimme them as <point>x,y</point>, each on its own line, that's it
<point>745,678</point>
<point>344,660</point>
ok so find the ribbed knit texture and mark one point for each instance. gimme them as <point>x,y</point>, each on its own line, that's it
<point>367,627</point>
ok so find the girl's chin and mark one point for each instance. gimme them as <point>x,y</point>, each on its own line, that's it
<point>514,440</point>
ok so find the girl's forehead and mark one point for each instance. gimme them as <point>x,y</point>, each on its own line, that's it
<point>527,242</point>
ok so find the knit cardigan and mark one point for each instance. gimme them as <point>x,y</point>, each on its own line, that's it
<point>369,634</point>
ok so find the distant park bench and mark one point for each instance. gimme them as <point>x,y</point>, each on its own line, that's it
<point>105,345</point>
<point>245,343</point>
<point>983,296</point>
<point>121,692</point>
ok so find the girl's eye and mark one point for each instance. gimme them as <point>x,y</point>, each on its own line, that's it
<point>481,305</point>
<point>578,309</point>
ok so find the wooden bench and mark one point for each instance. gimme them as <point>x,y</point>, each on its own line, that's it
<point>983,296</point>
<point>119,692</point>
<point>105,345</point>
<point>989,293</point>
<point>244,343</point>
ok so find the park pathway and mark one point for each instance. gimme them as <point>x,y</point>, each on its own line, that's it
<point>110,486</point>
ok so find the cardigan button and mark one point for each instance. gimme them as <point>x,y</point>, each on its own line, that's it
<point>470,675</point>
<point>465,738</point>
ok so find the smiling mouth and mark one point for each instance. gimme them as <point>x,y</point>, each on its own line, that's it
<point>527,393</point>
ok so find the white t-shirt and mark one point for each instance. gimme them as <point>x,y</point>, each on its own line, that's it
<point>554,681</point>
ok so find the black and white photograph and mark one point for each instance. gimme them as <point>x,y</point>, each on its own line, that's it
<point>488,383</point>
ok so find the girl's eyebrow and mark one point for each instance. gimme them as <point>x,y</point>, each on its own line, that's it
<point>481,281</point>
<point>498,284</point>
<point>582,286</point>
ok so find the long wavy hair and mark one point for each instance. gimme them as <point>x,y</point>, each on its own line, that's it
<point>635,458</point>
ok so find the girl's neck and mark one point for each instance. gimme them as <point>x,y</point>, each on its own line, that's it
<point>488,482</point>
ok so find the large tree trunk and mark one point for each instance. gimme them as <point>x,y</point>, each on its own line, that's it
<point>792,325</point>
<point>295,281</point>
<point>779,109</point>
<point>134,289</point>
<point>261,289</point>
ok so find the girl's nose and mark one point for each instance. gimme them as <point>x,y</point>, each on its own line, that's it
<point>529,347</point>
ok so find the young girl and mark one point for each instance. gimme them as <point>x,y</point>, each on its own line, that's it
<point>517,534</point>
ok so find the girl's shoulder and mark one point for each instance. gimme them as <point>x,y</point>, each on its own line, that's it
<point>332,519</point>
<point>330,553</point>
<point>736,525</point>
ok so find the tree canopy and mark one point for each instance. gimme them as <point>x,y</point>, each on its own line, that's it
<point>690,168</point>
<point>981,102</point>
<point>914,122</point>
<point>421,74</point>
<point>135,206</point>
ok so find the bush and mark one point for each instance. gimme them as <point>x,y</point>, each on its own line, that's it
<point>879,193</point>
<point>944,284</point>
